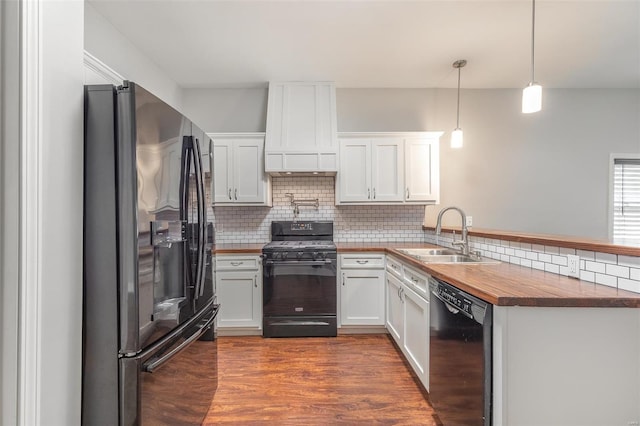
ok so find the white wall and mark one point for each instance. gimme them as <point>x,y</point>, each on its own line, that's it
<point>9,215</point>
<point>42,253</point>
<point>106,43</point>
<point>227,110</point>
<point>544,173</point>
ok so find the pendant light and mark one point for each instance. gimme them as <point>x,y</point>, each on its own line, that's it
<point>532,94</point>
<point>456,135</point>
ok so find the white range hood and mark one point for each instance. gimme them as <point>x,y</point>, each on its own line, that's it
<point>302,136</point>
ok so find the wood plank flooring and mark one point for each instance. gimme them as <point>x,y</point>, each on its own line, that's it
<point>349,379</point>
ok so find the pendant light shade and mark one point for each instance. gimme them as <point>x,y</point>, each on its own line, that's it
<point>456,135</point>
<point>532,94</point>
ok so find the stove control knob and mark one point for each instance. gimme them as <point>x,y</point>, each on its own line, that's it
<point>299,255</point>
<point>284,255</point>
<point>315,255</point>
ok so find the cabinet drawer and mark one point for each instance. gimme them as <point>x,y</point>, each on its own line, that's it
<point>394,267</point>
<point>360,261</point>
<point>417,281</point>
<point>237,263</point>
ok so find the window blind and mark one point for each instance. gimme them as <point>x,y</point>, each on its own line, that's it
<point>626,199</point>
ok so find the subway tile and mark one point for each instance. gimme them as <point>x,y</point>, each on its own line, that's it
<point>543,257</point>
<point>630,285</point>
<point>537,247</point>
<point>509,251</point>
<point>521,253</point>
<point>552,249</point>
<point>607,280</point>
<point>587,276</point>
<point>537,265</point>
<point>595,267</point>
<point>586,254</point>
<point>550,267</point>
<point>514,244</point>
<point>564,270</point>
<point>634,274</point>
<point>526,263</point>
<point>618,271</point>
<point>525,246</point>
<point>606,257</point>
<point>565,250</point>
<point>515,260</point>
<point>532,255</point>
<point>559,260</point>
<point>629,261</point>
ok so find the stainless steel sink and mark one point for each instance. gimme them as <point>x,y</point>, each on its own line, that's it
<point>427,252</point>
<point>445,256</point>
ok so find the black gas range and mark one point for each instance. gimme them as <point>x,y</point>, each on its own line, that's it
<point>299,280</point>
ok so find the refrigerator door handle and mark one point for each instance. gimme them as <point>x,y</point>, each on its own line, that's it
<point>185,172</point>
<point>202,218</point>
<point>156,363</point>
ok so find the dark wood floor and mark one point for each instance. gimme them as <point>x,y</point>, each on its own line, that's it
<point>350,379</point>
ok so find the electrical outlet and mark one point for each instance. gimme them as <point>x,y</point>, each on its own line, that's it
<point>573,263</point>
<point>380,226</point>
<point>469,221</point>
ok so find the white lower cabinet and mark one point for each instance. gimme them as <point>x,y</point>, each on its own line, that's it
<point>362,289</point>
<point>407,317</point>
<point>415,345</point>
<point>239,291</point>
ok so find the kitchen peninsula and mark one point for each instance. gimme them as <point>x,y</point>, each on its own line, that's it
<point>565,351</point>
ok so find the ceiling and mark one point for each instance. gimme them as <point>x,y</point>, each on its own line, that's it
<point>385,44</point>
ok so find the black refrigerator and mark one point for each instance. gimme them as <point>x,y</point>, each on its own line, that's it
<point>149,337</point>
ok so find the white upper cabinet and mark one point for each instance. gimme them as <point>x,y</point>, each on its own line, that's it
<point>388,168</point>
<point>239,177</point>
<point>422,169</point>
<point>301,128</point>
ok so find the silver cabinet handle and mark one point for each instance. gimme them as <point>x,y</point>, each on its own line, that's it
<point>255,281</point>
<point>230,193</point>
<point>236,194</point>
<point>408,196</point>
<point>414,280</point>
<point>368,193</point>
<point>362,262</point>
<point>394,266</point>
<point>343,280</point>
<point>236,263</point>
<point>374,193</point>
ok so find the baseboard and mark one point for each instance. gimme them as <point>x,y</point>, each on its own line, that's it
<point>362,329</point>
<point>238,331</point>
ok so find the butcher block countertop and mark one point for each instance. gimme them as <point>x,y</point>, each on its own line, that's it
<point>505,284</point>
<point>501,284</point>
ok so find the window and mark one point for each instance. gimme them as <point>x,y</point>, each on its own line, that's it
<point>626,199</point>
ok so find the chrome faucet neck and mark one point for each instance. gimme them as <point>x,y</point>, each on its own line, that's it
<point>465,240</point>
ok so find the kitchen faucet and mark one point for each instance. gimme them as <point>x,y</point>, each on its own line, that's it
<point>464,242</point>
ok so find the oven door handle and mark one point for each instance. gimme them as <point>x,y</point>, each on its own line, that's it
<point>299,262</point>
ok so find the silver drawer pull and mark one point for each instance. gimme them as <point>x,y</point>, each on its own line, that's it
<point>394,266</point>
<point>236,263</point>
<point>362,262</point>
<point>414,280</point>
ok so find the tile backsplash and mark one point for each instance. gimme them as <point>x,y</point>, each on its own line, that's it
<point>618,271</point>
<point>351,223</point>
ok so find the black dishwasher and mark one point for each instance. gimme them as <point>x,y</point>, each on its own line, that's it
<point>460,356</point>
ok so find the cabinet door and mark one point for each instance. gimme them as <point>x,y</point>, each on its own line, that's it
<point>395,313</point>
<point>362,297</point>
<point>421,170</point>
<point>222,171</point>
<point>248,167</point>
<point>355,170</point>
<point>416,334</point>
<point>239,295</point>
<point>387,170</point>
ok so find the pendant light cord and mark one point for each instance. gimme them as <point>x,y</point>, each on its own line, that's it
<point>458,111</point>
<point>533,34</point>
